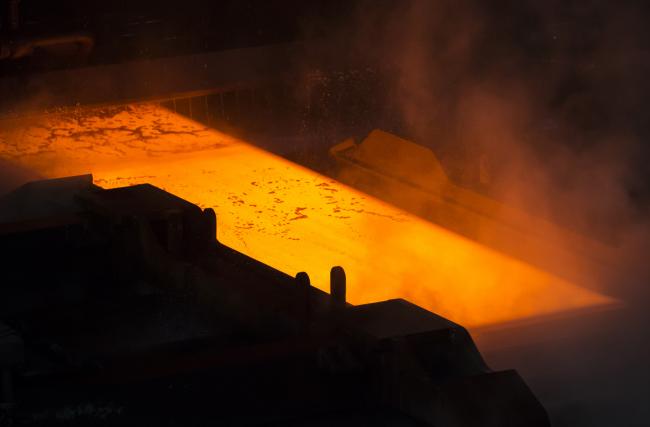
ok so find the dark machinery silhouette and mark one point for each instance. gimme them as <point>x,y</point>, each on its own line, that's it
<point>120,307</point>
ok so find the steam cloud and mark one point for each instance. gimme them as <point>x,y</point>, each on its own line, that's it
<point>546,103</point>
<point>540,101</point>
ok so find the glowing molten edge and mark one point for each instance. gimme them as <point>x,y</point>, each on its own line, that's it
<point>293,218</point>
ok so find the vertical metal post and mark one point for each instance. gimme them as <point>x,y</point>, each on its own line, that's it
<point>337,287</point>
<point>210,218</point>
<point>304,305</point>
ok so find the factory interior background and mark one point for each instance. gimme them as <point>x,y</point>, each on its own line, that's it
<point>484,161</point>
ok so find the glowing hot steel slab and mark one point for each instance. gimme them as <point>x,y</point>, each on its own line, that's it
<point>290,217</point>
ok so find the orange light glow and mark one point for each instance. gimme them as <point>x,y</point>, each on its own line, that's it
<point>293,218</point>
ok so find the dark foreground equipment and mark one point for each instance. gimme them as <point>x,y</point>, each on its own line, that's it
<point>119,307</point>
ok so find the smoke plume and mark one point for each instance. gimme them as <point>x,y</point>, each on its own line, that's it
<point>543,105</point>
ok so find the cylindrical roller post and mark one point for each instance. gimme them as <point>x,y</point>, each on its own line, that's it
<point>337,287</point>
<point>302,279</point>
<point>210,218</point>
<point>304,285</point>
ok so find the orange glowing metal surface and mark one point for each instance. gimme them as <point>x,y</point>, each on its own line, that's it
<point>290,217</point>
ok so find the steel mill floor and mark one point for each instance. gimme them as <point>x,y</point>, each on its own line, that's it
<point>289,217</point>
